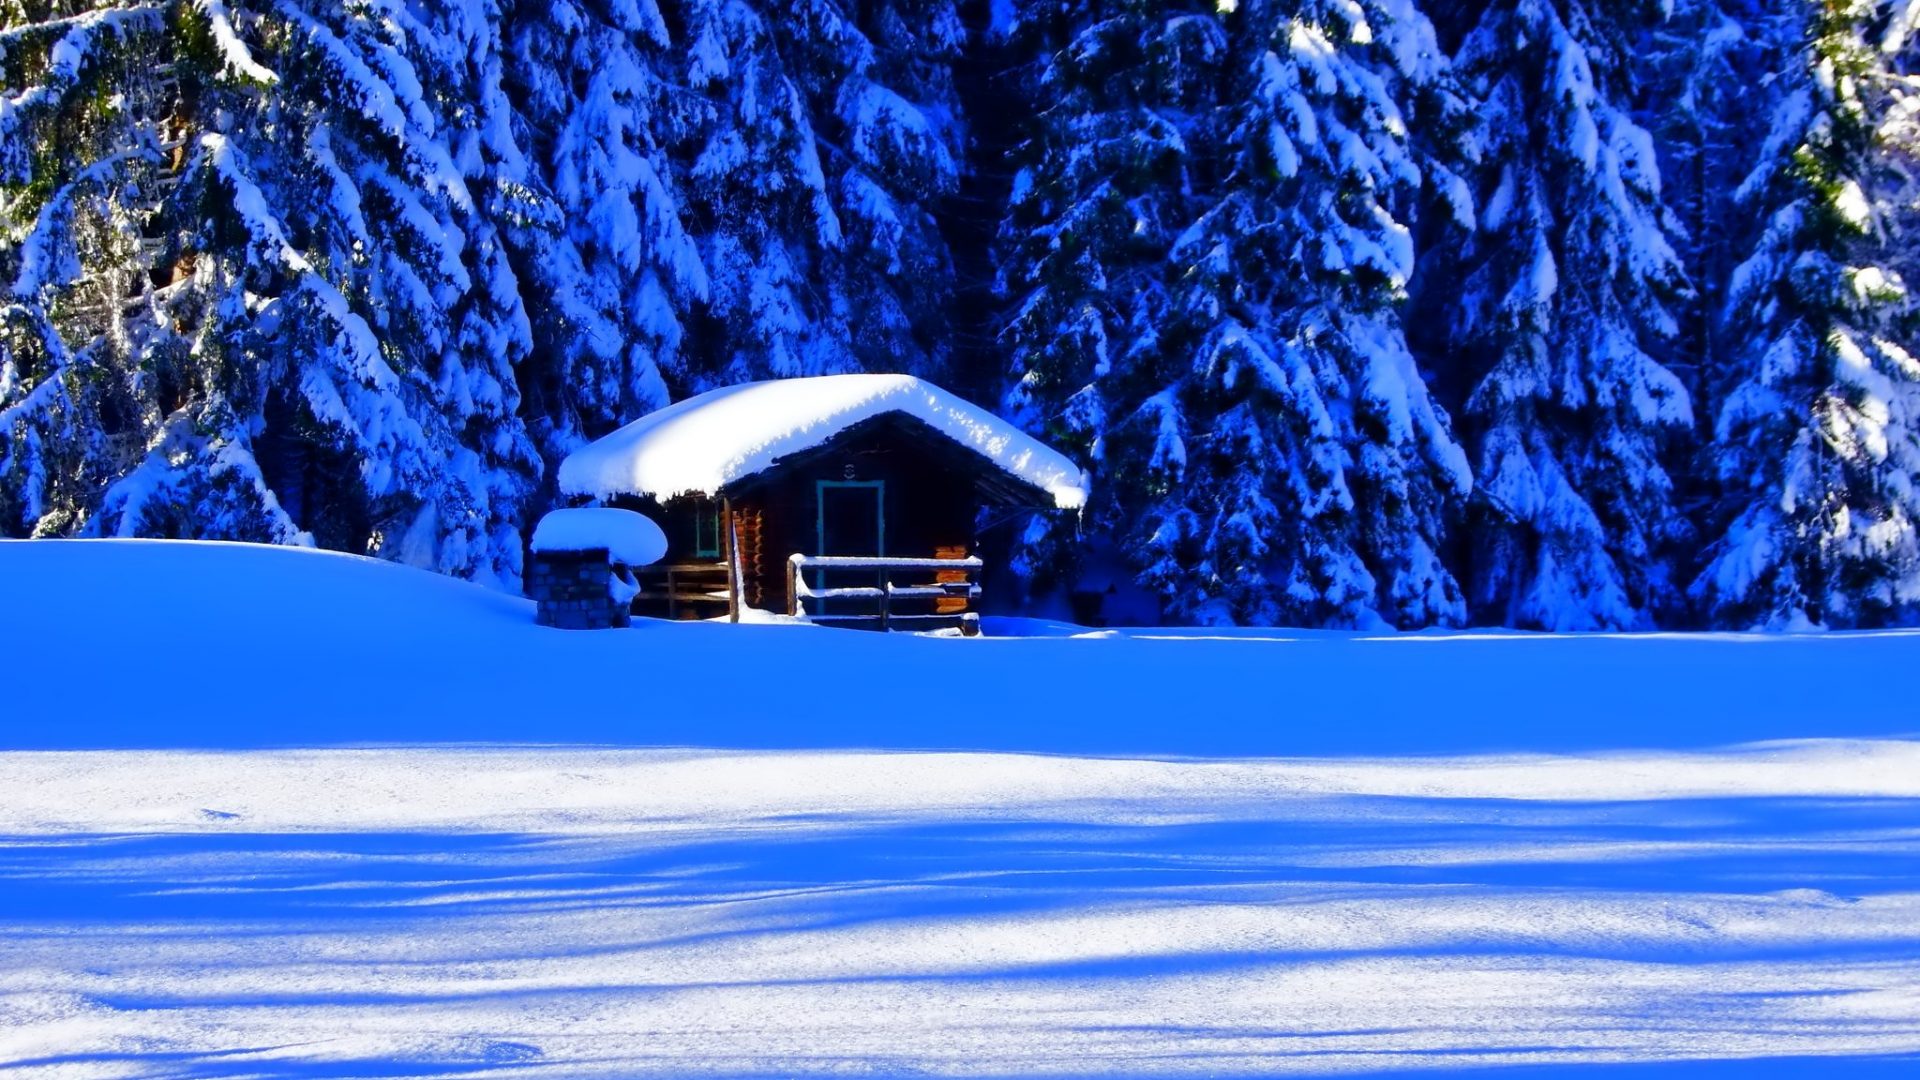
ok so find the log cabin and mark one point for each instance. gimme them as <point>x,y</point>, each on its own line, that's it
<point>843,499</point>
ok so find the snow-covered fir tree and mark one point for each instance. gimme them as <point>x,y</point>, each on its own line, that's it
<point>85,127</point>
<point>829,132</point>
<point>1818,437</point>
<point>1205,254</point>
<point>1319,472</point>
<point>601,237</point>
<point>1103,172</point>
<point>256,297</point>
<point>1701,70</point>
<point>1561,303</point>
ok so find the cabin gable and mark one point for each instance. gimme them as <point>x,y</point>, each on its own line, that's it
<point>810,504</point>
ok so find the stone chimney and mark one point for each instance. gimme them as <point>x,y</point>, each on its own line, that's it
<point>580,590</point>
<point>580,571</point>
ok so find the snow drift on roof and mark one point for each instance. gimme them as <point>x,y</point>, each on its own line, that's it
<point>628,537</point>
<point>704,443</point>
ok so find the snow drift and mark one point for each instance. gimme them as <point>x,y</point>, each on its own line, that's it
<point>159,643</point>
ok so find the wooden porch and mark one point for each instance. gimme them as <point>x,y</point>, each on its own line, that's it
<point>865,592</point>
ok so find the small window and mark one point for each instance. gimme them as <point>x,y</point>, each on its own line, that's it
<point>706,530</point>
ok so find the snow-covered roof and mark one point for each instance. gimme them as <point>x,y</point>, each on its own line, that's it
<point>706,442</point>
<point>628,537</point>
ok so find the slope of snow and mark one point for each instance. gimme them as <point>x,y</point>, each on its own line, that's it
<point>700,445</point>
<point>629,538</point>
<point>135,643</point>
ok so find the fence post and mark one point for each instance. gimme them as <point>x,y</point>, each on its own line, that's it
<point>734,585</point>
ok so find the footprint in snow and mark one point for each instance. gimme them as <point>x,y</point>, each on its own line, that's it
<point>510,1051</point>
<point>219,815</point>
<point>1811,896</point>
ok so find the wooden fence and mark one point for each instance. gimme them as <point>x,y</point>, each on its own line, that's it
<point>905,593</point>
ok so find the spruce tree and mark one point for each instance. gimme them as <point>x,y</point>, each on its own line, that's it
<point>1320,473</point>
<point>1817,438</point>
<point>85,135</point>
<point>1102,171</point>
<point>1701,71</point>
<point>1206,254</point>
<point>303,328</point>
<point>1562,307</point>
<point>602,235</point>
<point>808,185</point>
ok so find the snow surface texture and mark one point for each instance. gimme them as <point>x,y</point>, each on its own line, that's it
<point>628,537</point>
<point>587,912</point>
<point>208,906</point>
<point>700,445</point>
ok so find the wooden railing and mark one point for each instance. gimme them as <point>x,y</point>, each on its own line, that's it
<point>935,592</point>
<point>685,584</point>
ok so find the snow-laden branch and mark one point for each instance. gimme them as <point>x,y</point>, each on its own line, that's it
<point>235,58</point>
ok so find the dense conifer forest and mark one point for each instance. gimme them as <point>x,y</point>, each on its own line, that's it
<point>1559,314</point>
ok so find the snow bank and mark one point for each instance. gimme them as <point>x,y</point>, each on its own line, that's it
<point>308,647</point>
<point>628,537</point>
<point>704,443</point>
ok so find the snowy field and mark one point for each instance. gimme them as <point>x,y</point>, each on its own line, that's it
<point>238,837</point>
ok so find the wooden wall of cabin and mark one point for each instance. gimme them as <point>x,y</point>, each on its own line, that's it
<point>748,527</point>
<point>696,536</point>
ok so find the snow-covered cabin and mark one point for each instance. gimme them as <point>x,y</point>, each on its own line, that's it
<point>849,499</point>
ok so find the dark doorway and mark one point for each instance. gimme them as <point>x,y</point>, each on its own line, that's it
<point>852,517</point>
<point>852,523</point>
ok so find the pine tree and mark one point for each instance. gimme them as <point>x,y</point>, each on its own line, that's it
<point>1320,472</point>
<point>1207,252</point>
<point>603,237</point>
<point>1700,72</point>
<point>1102,170</point>
<point>305,328</point>
<point>808,185</point>
<point>83,130</point>
<point>1562,304</point>
<point>1818,435</point>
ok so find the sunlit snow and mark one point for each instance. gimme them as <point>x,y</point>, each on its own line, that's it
<point>1333,858</point>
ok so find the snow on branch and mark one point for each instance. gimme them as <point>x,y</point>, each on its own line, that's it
<point>375,98</point>
<point>66,60</point>
<point>235,58</point>
<point>262,224</point>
